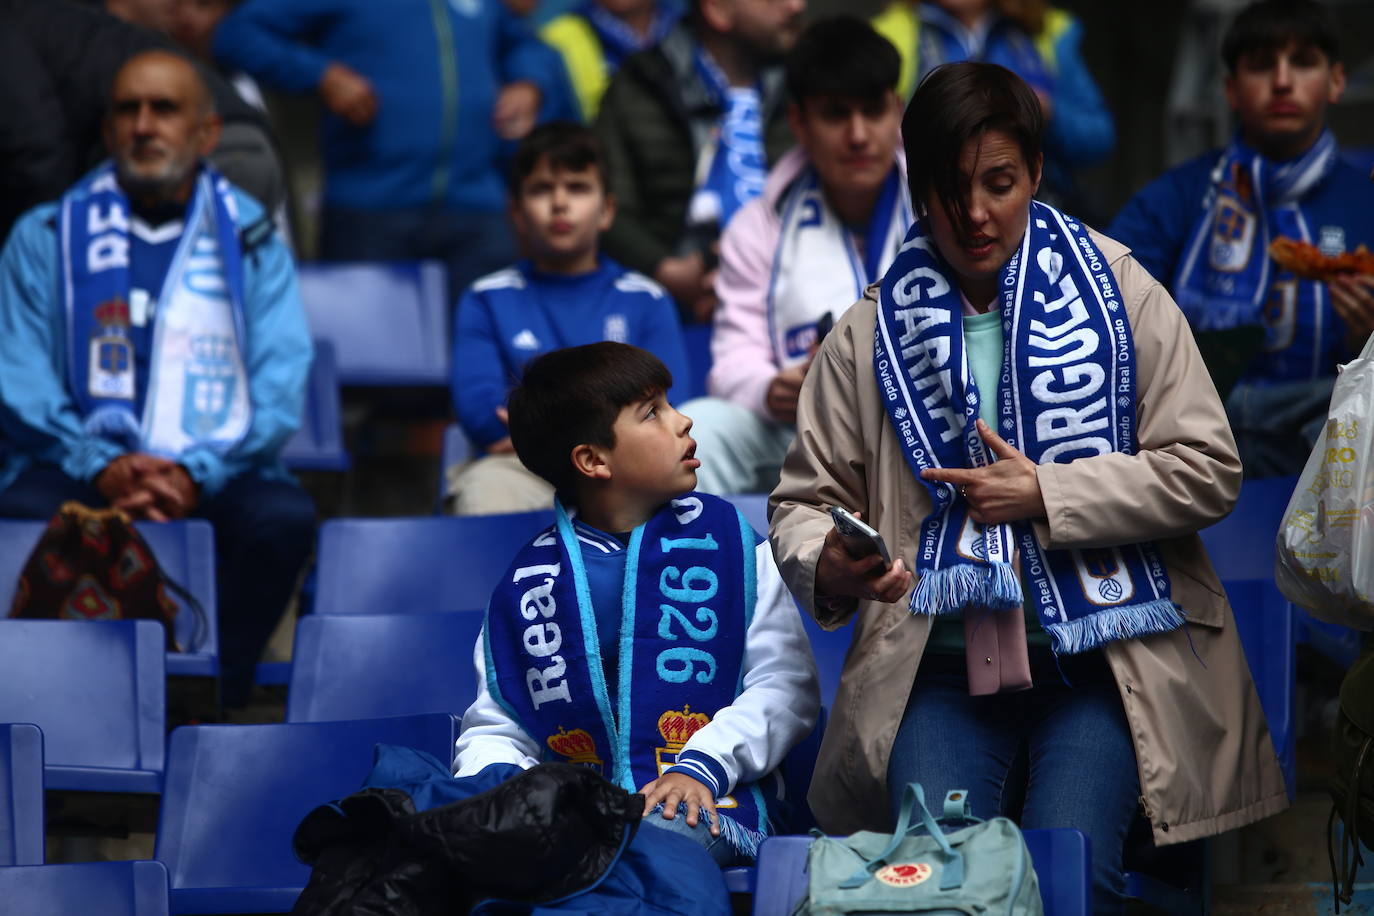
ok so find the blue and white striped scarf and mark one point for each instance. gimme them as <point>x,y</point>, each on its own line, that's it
<point>1227,279</point>
<point>1067,392</point>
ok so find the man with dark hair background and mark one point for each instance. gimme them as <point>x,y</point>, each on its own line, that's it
<point>832,215</point>
<point>690,129</point>
<point>1272,339</point>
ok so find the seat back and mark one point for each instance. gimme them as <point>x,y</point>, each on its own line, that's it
<point>410,565</point>
<point>1061,859</point>
<point>21,795</point>
<point>235,794</point>
<point>1264,619</point>
<point>103,888</point>
<point>97,689</point>
<point>318,444</point>
<point>363,666</point>
<point>1241,545</point>
<point>388,321</point>
<point>186,552</point>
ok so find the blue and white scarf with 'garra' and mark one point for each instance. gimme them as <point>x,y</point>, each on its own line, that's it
<point>1067,391</point>
<point>197,384</point>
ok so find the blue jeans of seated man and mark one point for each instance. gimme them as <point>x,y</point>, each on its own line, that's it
<point>1276,426</point>
<point>1068,742</point>
<point>264,532</point>
<point>720,850</point>
<point>740,452</point>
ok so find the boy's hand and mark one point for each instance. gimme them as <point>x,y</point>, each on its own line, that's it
<point>673,788</point>
<point>516,110</point>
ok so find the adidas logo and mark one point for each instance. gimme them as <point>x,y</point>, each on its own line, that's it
<point>525,340</point>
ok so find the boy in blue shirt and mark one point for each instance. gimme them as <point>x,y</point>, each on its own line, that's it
<point>566,293</point>
<point>1203,229</point>
<point>647,634</point>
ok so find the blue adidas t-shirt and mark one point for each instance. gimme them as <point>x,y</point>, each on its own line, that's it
<point>1157,223</point>
<point>507,318</point>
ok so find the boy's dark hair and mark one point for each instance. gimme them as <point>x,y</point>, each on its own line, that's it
<point>571,397</point>
<point>567,145</point>
<point>956,103</point>
<point>841,56</point>
<point>1271,25</point>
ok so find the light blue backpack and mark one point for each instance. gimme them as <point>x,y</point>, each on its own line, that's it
<point>956,864</point>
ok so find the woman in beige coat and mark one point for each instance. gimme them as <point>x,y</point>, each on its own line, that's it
<point>1113,705</point>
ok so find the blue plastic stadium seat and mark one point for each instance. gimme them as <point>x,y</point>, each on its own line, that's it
<point>1265,621</point>
<point>1061,857</point>
<point>90,888</point>
<point>21,795</point>
<point>363,666</point>
<point>754,508</point>
<point>410,565</point>
<point>98,690</point>
<point>697,337</point>
<point>186,552</point>
<point>1242,544</point>
<point>318,444</point>
<point>388,322</point>
<point>455,450</point>
<point>236,793</point>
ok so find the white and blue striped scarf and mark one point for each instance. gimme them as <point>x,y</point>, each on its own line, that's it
<point>1067,392</point>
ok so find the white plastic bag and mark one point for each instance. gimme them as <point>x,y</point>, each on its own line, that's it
<point>1325,549</point>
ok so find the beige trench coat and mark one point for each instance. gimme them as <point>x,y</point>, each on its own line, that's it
<point>1205,758</point>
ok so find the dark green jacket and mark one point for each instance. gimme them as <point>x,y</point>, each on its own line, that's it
<point>655,119</point>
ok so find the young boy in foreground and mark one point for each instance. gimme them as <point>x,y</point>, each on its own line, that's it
<point>647,634</point>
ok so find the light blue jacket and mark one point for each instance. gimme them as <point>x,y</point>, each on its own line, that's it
<point>38,416</point>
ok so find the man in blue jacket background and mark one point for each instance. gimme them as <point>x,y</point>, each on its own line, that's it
<point>418,95</point>
<point>1203,229</point>
<point>154,353</point>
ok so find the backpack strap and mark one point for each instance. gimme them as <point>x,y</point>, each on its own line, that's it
<point>914,802</point>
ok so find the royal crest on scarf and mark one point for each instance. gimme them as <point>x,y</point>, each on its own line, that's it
<point>1067,392</point>
<point>1226,278</point>
<point>686,606</point>
<point>197,386</point>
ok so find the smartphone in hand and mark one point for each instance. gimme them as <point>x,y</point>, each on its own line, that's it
<point>860,539</point>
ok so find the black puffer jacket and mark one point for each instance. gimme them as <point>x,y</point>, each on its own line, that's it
<point>541,835</point>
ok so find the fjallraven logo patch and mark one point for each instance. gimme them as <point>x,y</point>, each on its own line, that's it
<point>907,874</point>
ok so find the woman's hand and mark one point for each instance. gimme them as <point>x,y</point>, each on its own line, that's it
<point>838,575</point>
<point>673,788</point>
<point>1005,491</point>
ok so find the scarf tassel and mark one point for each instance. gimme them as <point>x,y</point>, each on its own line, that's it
<point>741,839</point>
<point>945,591</point>
<point>1135,620</point>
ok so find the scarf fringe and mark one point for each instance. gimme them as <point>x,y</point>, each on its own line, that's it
<point>742,840</point>
<point>1135,620</point>
<point>945,591</point>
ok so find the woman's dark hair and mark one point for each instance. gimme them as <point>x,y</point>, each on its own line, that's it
<point>567,144</point>
<point>1270,25</point>
<point>571,397</point>
<point>841,56</point>
<point>956,103</point>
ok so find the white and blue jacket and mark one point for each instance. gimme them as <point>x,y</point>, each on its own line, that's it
<point>38,416</point>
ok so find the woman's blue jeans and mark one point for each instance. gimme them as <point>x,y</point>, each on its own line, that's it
<point>1057,755</point>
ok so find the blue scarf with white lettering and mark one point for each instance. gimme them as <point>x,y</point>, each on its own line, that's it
<point>1067,392</point>
<point>738,164</point>
<point>197,385</point>
<point>1226,278</point>
<point>687,604</point>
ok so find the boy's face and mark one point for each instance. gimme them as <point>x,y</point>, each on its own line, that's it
<point>560,213</point>
<point>852,142</point>
<point>653,459</point>
<point>1280,97</point>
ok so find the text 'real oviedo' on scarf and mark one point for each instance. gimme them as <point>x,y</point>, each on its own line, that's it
<point>197,384</point>
<point>687,602</point>
<point>1067,391</point>
<point>1226,278</point>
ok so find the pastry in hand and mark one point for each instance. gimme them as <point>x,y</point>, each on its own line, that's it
<point>1307,261</point>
